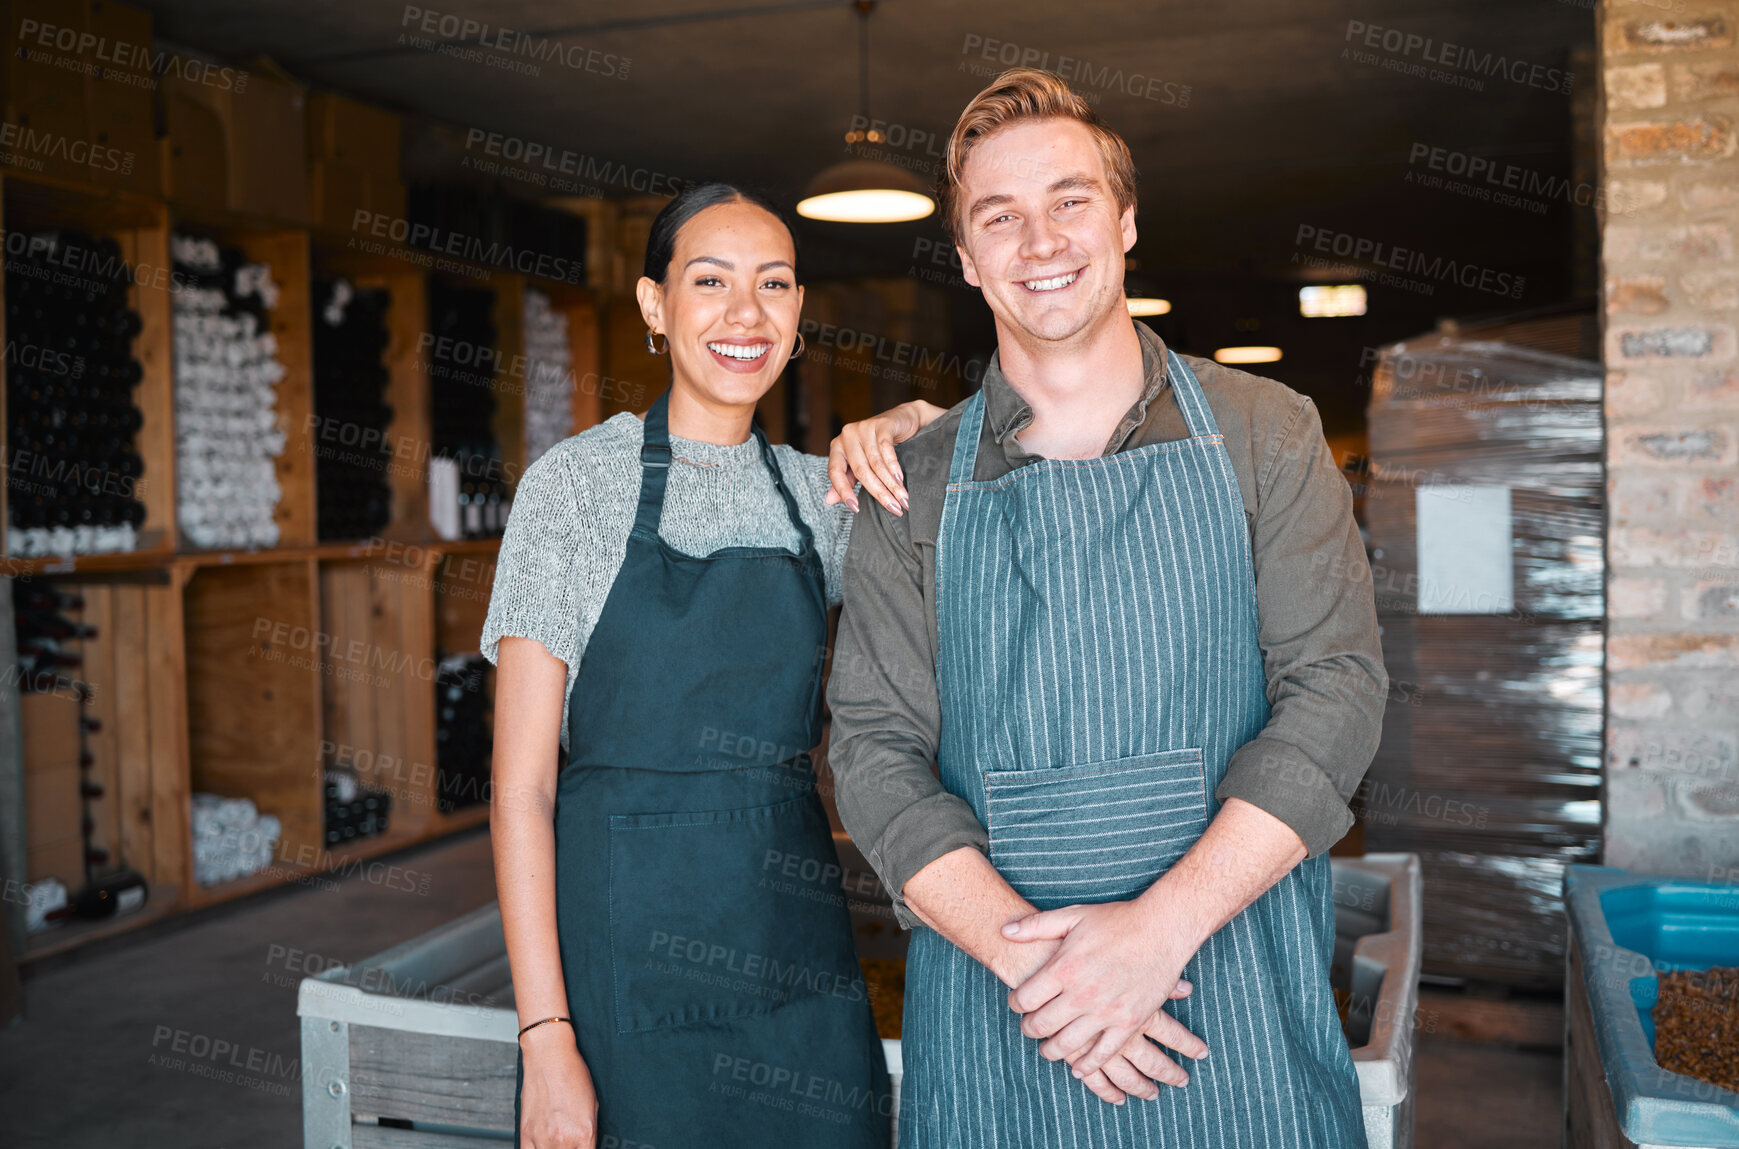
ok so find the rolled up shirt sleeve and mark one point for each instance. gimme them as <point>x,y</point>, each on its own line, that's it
<point>1321,652</point>
<point>887,717</point>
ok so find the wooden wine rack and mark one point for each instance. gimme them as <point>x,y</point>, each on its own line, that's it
<point>238,671</point>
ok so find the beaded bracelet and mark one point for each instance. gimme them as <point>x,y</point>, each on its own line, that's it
<point>545,1021</point>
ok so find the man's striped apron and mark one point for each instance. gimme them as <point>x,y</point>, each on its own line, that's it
<point>1098,664</point>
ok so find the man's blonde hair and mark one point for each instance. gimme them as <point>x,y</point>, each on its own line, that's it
<point>1017,95</point>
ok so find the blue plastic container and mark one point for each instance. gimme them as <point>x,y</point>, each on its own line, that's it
<point>1626,927</point>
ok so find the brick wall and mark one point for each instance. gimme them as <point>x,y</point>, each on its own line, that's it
<point>1669,117</point>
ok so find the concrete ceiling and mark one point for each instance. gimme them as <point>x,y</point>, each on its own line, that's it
<point>1281,126</point>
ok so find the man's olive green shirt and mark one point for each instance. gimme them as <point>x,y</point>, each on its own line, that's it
<point>1318,625</point>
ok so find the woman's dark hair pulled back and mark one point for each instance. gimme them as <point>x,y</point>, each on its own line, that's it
<point>661,243</point>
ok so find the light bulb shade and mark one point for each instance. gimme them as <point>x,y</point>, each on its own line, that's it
<point>1142,294</point>
<point>1331,300</point>
<point>866,191</point>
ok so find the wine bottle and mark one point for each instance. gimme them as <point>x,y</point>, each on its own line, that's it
<point>119,893</point>
<point>64,411</point>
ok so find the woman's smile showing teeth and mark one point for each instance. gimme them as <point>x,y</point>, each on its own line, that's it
<point>740,356</point>
<point>1055,283</point>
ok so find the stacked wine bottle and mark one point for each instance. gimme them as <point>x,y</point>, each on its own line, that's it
<point>469,494</point>
<point>352,453</point>
<point>464,742</point>
<point>48,655</point>
<point>549,377</point>
<point>231,838</point>
<point>352,809</point>
<point>72,471</point>
<point>50,636</point>
<point>226,376</point>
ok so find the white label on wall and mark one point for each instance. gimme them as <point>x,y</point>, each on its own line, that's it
<point>1466,560</point>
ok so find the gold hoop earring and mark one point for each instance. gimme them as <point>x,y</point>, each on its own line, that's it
<point>653,348</point>
<point>797,354</point>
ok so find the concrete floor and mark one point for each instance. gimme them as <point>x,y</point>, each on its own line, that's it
<point>93,1066</point>
<point>85,1069</point>
<point>1487,1097</point>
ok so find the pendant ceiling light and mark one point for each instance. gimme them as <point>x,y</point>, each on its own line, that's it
<point>1142,296</point>
<point>864,190</point>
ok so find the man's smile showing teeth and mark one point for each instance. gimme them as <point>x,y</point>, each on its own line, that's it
<point>740,350</point>
<point>1052,284</point>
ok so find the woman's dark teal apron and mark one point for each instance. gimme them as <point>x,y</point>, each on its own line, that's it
<point>1098,664</point>
<point>711,973</point>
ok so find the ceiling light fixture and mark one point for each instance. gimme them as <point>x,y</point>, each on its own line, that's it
<point>1247,355</point>
<point>865,190</point>
<point>1331,300</point>
<point>1142,296</point>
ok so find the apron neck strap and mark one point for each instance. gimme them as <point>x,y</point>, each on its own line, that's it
<point>655,472</point>
<point>966,440</point>
<point>1190,400</point>
<point>654,467</point>
<point>772,462</point>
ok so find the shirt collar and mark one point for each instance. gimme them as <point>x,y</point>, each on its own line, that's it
<point>1009,414</point>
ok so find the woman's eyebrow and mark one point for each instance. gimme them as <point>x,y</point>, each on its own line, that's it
<point>729,266</point>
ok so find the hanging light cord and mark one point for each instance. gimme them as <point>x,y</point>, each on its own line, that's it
<point>865,134</point>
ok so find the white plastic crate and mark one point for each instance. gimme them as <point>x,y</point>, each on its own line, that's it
<point>416,1046</point>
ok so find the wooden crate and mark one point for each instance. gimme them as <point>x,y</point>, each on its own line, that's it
<point>264,143</point>
<point>256,657</point>
<point>407,388</point>
<point>353,133</point>
<point>416,1048</point>
<point>45,97</point>
<point>424,1034</point>
<point>587,385</point>
<point>286,252</point>
<point>379,714</point>
<point>53,845</point>
<point>134,681</point>
<point>141,228</point>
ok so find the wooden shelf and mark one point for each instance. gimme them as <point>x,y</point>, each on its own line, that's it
<point>158,559</point>
<point>364,255</point>
<point>164,902</point>
<point>37,200</point>
<point>200,682</point>
<point>140,227</point>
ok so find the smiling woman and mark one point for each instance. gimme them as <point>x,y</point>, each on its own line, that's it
<point>661,595</point>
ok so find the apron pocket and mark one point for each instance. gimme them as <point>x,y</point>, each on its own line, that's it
<point>1099,832</point>
<point>722,914</point>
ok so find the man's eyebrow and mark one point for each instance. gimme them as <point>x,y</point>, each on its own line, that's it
<point>1079,181</point>
<point>1075,182</point>
<point>984,203</point>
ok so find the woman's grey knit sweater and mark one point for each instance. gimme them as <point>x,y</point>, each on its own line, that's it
<point>574,507</point>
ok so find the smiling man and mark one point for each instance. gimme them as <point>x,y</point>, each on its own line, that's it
<point>1106,620</point>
